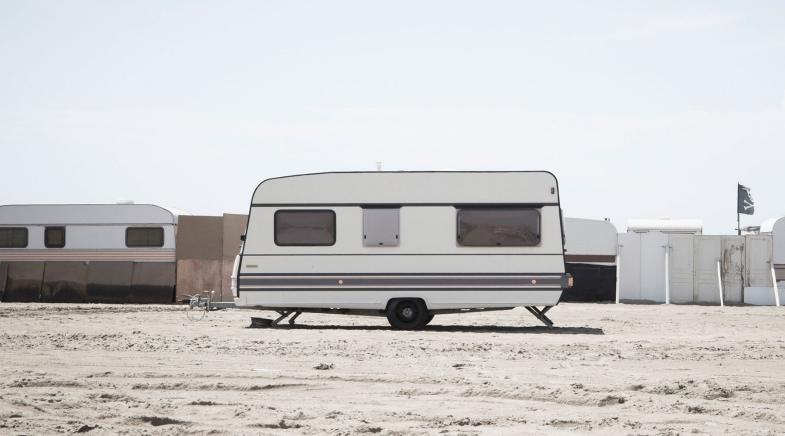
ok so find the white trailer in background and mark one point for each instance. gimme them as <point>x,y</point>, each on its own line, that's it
<point>407,245</point>
<point>87,253</point>
<point>590,255</point>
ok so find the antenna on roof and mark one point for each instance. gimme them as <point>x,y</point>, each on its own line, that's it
<point>378,165</point>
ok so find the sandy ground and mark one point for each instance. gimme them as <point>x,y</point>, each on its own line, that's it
<point>605,369</point>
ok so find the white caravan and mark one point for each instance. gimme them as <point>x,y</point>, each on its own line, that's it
<point>407,245</point>
<point>87,253</point>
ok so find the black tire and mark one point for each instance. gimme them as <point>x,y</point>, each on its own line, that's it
<point>407,314</point>
<point>428,319</point>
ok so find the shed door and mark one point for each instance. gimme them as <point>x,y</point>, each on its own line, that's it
<point>733,268</point>
<point>681,268</point>
<point>629,266</point>
<point>708,250</point>
<point>758,261</point>
<point>653,266</point>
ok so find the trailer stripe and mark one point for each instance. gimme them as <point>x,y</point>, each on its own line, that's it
<point>45,255</point>
<point>398,281</point>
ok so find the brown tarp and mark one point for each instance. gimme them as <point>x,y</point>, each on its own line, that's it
<point>199,246</point>
<point>109,282</point>
<point>152,282</point>
<point>233,229</point>
<point>206,248</point>
<point>3,275</point>
<point>199,237</point>
<point>23,282</point>
<point>64,282</point>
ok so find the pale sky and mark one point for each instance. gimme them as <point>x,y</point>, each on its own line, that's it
<point>642,109</point>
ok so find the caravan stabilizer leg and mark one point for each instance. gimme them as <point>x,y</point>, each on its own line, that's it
<point>291,320</point>
<point>284,314</point>
<point>540,314</point>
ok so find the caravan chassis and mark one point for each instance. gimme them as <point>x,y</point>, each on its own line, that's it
<point>297,311</point>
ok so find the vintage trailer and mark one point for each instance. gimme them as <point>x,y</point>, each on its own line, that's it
<point>407,245</point>
<point>87,253</point>
<point>590,254</point>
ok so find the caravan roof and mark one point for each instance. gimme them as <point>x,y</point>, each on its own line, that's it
<point>666,225</point>
<point>586,238</point>
<point>406,187</point>
<point>42,214</point>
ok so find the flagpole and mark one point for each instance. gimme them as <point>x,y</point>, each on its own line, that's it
<point>738,215</point>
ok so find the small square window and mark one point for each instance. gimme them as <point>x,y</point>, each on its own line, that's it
<point>381,227</point>
<point>54,237</point>
<point>13,237</point>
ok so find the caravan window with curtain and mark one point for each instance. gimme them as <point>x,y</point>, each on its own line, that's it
<point>498,227</point>
<point>144,237</point>
<point>304,227</point>
<point>13,237</point>
<point>54,237</point>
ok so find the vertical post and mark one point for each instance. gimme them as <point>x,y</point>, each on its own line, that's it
<point>618,270</point>
<point>719,282</point>
<point>667,275</point>
<point>774,284</point>
<point>738,215</point>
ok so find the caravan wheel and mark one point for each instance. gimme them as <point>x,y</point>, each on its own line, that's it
<point>407,314</point>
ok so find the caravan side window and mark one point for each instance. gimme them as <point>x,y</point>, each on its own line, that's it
<point>304,227</point>
<point>498,227</point>
<point>13,237</point>
<point>144,237</point>
<point>54,237</point>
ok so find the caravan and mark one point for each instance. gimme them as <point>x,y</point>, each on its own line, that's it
<point>100,253</point>
<point>408,245</point>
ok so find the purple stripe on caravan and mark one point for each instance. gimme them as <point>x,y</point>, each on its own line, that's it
<point>408,282</point>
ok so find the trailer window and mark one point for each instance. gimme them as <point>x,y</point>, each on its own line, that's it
<point>499,227</point>
<point>144,237</point>
<point>304,227</point>
<point>13,237</point>
<point>54,237</point>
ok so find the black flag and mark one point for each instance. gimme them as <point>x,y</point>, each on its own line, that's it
<point>745,204</point>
